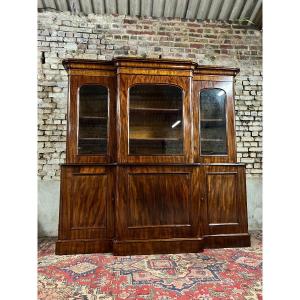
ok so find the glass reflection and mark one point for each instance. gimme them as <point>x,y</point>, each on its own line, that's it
<point>213,137</point>
<point>155,120</point>
<point>93,112</point>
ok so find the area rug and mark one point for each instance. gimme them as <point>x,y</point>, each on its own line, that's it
<point>232,273</point>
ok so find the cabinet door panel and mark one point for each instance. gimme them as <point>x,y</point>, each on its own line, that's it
<point>226,199</point>
<point>154,119</point>
<point>214,122</point>
<point>91,119</point>
<point>89,196</point>
<point>157,202</point>
<point>86,203</point>
<point>221,197</point>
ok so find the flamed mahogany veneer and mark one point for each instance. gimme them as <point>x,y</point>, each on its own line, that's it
<point>151,159</point>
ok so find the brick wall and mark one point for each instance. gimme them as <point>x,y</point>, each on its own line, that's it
<point>62,35</point>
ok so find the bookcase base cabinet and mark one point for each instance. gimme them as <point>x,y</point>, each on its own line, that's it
<point>86,220</point>
<point>152,209</point>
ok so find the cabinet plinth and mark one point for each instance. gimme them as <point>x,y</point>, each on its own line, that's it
<point>151,159</point>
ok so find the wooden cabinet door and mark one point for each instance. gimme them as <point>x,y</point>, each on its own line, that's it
<point>214,122</point>
<point>158,203</point>
<point>86,207</point>
<point>91,119</point>
<point>154,119</point>
<point>225,196</point>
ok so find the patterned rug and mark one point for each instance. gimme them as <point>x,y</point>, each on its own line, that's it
<point>210,275</point>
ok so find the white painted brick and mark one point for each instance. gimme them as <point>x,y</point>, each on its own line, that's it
<point>247,160</point>
<point>255,149</point>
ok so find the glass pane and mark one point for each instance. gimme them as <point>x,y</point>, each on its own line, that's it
<point>155,120</point>
<point>213,122</point>
<point>92,134</point>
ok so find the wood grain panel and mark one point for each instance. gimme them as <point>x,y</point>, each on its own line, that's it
<point>213,78</point>
<point>88,64</point>
<point>83,72</point>
<point>227,240</point>
<point>158,246</point>
<point>89,201</point>
<point>156,201</point>
<point>160,72</point>
<point>83,246</point>
<point>226,200</point>
<point>155,64</point>
<point>221,197</point>
<point>86,205</point>
<point>215,70</point>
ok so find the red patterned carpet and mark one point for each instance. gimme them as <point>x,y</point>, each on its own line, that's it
<point>210,275</point>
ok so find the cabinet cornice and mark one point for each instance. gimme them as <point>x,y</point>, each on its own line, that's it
<point>135,65</point>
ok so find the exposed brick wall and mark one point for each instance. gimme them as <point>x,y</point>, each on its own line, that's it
<point>62,35</point>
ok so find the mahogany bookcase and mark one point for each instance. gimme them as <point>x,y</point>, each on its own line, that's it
<point>151,159</point>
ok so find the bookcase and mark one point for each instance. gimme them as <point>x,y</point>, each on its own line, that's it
<point>151,159</point>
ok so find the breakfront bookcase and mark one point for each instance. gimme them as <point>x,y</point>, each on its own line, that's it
<point>151,159</point>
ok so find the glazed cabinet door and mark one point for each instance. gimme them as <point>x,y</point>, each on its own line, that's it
<point>158,203</point>
<point>155,119</point>
<point>86,205</point>
<point>214,122</point>
<point>92,123</point>
<point>225,196</point>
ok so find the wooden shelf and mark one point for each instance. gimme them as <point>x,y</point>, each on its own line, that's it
<point>92,97</point>
<point>155,139</point>
<point>212,140</point>
<point>154,109</point>
<point>92,139</point>
<point>92,118</point>
<point>212,120</point>
<point>153,97</point>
